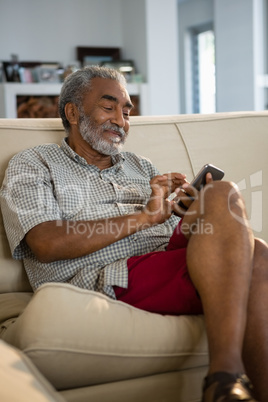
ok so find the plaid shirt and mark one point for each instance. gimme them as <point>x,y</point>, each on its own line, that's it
<point>49,183</point>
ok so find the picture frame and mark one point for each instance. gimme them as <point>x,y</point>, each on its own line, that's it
<point>126,67</point>
<point>46,74</point>
<point>96,55</point>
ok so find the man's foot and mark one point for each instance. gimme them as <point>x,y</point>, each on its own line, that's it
<point>227,387</point>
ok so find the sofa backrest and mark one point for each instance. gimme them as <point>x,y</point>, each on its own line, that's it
<point>236,142</point>
<point>15,136</point>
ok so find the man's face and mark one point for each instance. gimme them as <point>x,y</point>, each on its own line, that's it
<point>104,120</point>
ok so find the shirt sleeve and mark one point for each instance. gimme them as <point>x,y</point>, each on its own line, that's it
<point>26,200</point>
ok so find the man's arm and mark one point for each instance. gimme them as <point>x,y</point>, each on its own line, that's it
<point>59,240</point>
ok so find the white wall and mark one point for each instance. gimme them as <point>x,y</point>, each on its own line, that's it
<point>150,36</point>
<point>134,43</point>
<point>239,54</point>
<point>163,56</point>
<point>50,30</point>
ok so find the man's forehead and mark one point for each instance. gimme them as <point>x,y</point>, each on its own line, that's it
<point>104,88</point>
<point>103,85</point>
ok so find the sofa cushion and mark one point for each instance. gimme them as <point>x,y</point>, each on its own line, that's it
<point>13,277</point>
<point>13,304</point>
<point>78,337</point>
<point>20,380</point>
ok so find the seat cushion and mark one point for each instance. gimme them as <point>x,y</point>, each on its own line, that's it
<point>78,338</point>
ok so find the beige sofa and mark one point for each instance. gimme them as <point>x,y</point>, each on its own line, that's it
<point>91,348</point>
<point>20,381</point>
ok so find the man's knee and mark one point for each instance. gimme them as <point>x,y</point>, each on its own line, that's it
<point>217,197</point>
<point>221,197</point>
<point>217,202</point>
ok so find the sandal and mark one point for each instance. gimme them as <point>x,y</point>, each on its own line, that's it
<point>229,387</point>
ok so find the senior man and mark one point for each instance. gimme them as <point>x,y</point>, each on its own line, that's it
<point>91,215</point>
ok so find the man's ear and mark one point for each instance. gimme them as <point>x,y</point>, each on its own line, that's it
<point>71,113</point>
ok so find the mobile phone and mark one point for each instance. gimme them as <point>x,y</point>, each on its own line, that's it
<point>200,179</point>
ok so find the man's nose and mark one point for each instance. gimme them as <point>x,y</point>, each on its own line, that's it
<point>118,118</point>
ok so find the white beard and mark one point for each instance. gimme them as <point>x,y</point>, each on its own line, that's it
<point>92,134</point>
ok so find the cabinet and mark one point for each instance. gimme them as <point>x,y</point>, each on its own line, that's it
<point>11,92</point>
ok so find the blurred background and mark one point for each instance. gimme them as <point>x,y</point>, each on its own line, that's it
<point>179,56</point>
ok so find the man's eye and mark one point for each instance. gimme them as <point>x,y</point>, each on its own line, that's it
<point>107,108</point>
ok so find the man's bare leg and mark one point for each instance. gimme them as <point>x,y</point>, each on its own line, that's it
<point>220,265</point>
<point>256,336</point>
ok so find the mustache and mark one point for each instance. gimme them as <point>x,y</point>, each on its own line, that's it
<point>115,128</point>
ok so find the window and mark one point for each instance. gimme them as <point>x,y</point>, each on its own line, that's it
<point>203,70</point>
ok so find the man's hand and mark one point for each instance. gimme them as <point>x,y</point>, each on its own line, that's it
<point>186,195</point>
<point>159,208</point>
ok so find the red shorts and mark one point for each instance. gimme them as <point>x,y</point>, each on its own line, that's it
<point>159,281</point>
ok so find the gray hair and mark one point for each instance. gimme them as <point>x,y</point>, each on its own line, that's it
<point>79,82</point>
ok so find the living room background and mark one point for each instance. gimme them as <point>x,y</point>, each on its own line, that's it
<point>156,35</point>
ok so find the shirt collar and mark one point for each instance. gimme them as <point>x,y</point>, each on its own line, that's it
<point>116,159</point>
